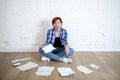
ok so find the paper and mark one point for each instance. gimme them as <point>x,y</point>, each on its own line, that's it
<point>95,66</point>
<point>44,71</point>
<point>16,64</point>
<point>48,48</point>
<point>65,71</point>
<point>84,70</point>
<point>17,60</point>
<point>27,66</point>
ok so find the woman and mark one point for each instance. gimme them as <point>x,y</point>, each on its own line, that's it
<point>57,36</point>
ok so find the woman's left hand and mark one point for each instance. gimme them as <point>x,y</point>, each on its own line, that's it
<point>67,49</point>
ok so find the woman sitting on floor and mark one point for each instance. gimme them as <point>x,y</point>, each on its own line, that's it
<point>57,36</point>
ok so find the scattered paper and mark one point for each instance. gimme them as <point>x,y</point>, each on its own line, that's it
<point>44,71</point>
<point>48,48</point>
<point>65,71</point>
<point>16,64</point>
<point>27,66</point>
<point>84,70</point>
<point>94,66</point>
<point>17,60</point>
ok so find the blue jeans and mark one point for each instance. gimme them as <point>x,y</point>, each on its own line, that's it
<point>57,54</point>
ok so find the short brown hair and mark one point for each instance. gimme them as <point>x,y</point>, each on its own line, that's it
<point>55,19</point>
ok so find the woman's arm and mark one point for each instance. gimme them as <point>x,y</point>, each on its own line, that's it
<point>48,37</point>
<point>64,37</point>
<point>66,42</point>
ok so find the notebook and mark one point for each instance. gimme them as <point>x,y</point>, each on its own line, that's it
<point>27,66</point>
<point>65,71</point>
<point>84,69</point>
<point>44,71</point>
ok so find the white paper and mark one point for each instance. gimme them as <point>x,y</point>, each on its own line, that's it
<point>65,71</point>
<point>44,71</point>
<point>84,69</point>
<point>16,64</point>
<point>48,48</point>
<point>95,66</point>
<point>17,60</point>
<point>27,66</point>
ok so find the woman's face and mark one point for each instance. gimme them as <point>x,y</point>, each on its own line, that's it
<point>57,24</point>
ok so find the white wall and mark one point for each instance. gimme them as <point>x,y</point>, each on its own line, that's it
<point>93,25</point>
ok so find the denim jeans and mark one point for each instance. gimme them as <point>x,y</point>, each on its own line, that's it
<point>57,54</point>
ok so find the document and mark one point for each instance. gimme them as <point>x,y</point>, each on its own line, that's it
<point>44,71</point>
<point>94,66</point>
<point>16,64</point>
<point>23,59</point>
<point>48,48</point>
<point>65,71</point>
<point>27,66</point>
<point>84,69</point>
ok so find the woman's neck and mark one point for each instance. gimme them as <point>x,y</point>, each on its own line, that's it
<point>57,30</point>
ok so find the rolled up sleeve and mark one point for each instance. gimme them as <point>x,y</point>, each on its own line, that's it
<point>65,38</point>
<point>48,37</point>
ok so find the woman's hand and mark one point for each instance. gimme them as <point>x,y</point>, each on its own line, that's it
<point>67,49</point>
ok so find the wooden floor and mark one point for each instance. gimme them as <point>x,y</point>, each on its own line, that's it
<point>109,62</point>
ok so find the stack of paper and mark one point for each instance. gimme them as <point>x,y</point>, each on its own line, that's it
<point>48,48</point>
<point>44,71</point>
<point>84,70</point>
<point>27,66</point>
<point>65,71</point>
<point>17,60</point>
<point>16,64</point>
<point>94,66</point>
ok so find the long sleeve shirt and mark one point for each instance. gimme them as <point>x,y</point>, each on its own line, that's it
<point>51,36</point>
